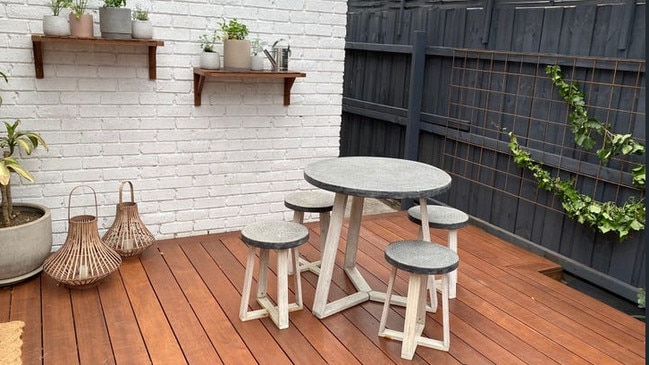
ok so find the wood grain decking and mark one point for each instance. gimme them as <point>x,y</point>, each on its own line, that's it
<point>178,304</point>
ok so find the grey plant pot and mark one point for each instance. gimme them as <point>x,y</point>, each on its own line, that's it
<point>115,23</point>
<point>23,248</point>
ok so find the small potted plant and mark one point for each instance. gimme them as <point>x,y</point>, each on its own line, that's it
<point>141,26</point>
<point>25,229</point>
<point>236,48</point>
<point>256,57</point>
<point>81,23</point>
<point>209,59</point>
<point>115,20</point>
<point>55,24</point>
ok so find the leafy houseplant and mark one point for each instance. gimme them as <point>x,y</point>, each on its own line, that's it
<point>115,20</point>
<point>25,229</point>
<point>209,59</point>
<point>56,25</point>
<point>236,48</point>
<point>257,60</point>
<point>141,26</point>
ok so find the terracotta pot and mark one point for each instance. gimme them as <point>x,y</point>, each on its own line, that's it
<point>82,27</point>
<point>236,54</point>
<point>55,25</point>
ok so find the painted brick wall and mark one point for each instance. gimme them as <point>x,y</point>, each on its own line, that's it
<point>196,170</point>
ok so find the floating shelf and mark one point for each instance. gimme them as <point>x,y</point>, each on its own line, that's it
<point>39,39</point>
<point>200,74</point>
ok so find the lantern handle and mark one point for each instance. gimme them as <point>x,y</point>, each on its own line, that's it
<point>121,187</point>
<point>70,199</point>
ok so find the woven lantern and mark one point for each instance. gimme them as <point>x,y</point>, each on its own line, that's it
<point>83,259</point>
<point>128,235</point>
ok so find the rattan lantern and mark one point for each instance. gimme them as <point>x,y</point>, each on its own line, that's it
<point>128,235</point>
<point>83,259</point>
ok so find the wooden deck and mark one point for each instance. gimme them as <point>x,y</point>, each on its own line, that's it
<point>178,304</point>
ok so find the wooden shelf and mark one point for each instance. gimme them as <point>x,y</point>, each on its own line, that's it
<point>201,74</point>
<point>39,39</point>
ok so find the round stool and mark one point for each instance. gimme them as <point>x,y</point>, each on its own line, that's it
<point>285,238</point>
<point>420,259</point>
<point>442,217</point>
<point>311,202</point>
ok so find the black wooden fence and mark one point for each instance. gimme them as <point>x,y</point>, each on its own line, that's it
<point>475,71</point>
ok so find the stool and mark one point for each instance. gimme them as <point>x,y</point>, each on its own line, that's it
<point>420,259</point>
<point>285,237</point>
<point>311,202</point>
<point>442,217</point>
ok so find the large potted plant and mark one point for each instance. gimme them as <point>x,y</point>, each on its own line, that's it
<point>236,48</point>
<point>25,229</point>
<point>115,20</point>
<point>55,24</point>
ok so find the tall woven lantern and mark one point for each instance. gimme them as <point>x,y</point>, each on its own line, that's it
<point>83,259</point>
<point>128,235</point>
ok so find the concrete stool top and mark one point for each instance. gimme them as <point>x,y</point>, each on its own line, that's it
<point>421,257</point>
<point>440,217</point>
<point>310,201</point>
<point>274,235</point>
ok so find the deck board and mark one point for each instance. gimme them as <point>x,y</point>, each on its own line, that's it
<point>178,303</point>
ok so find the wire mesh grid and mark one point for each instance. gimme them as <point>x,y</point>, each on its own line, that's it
<point>493,93</point>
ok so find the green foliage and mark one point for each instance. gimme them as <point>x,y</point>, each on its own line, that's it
<point>12,141</point>
<point>208,41</point>
<point>114,3</point>
<point>603,216</point>
<point>79,7</point>
<point>234,29</point>
<point>140,13</point>
<point>58,5</point>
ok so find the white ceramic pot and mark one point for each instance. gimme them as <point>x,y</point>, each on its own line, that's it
<point>236,54</point>
<point>56,25</point>
<point>142,29</point>
<point>210,61</point>
<point>257,63</point>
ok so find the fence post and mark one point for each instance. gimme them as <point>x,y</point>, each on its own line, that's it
<point>415,94</point>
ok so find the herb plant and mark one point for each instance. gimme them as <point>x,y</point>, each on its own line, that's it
<point>58,5</point>
<point>208,41</point>
<point>114,3</point>
<point>233,29</point>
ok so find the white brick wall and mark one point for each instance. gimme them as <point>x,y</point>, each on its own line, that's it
<point>196,170</point>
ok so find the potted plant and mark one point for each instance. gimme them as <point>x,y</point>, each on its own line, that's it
<point>81,23</point>
<point>209,59</point>
<point>55,24</point>
<point>115,20</point>
<point>256,58</point>
<point>141,26</point>
<point>236,48</point>
<point>25,229</point>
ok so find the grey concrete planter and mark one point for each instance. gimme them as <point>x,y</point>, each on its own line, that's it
<point>24,248</point>
<point>115,23</point>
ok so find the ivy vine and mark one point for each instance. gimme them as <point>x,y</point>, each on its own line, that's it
<point>603,216</point>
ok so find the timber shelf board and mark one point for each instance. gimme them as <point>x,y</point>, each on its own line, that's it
<point>200,75</point>
<point>39,39</point>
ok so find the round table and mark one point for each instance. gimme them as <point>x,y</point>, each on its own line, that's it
<point>365,177</point>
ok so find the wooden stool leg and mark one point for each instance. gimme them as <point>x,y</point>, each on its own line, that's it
<point>298,278</point>
<point>446,324</point>
<point>452,244</point>
<point>247,284</point>
<point>386,304</point>
<point>298,217</point>
<point>262,283</point>
<point>412,326</point>
<point>282,288</point>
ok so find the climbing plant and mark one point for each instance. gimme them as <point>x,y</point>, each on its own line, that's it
<point>603,216</point>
